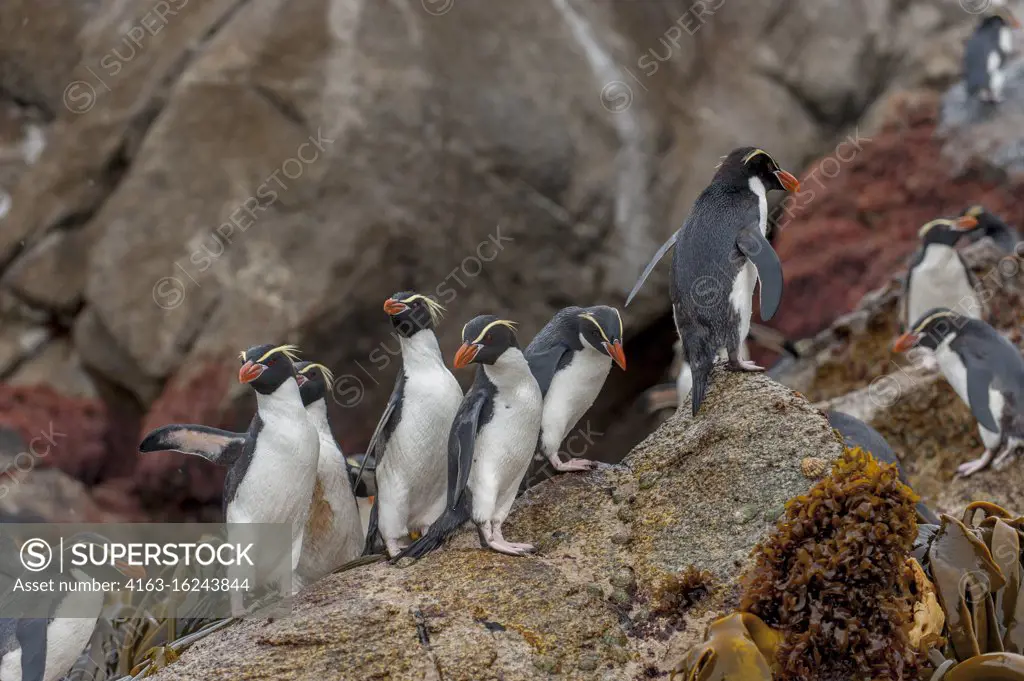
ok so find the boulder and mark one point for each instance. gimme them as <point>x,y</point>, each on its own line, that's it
<point>226,173</point>
<point>694,497</point>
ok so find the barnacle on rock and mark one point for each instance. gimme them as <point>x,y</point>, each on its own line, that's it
<point>738,647</point>
<point>813,467</point>
<point>834,576</point>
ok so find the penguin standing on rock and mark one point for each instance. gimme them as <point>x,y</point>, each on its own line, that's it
<point>938,276</point>
<point>721,251</point>
<point>989,225</point>
<point>986,54</point>
<point>273,466</point>
<point>45,649</point>
<point>408,446</point>
<point>571,358</point>
<point>985,370</point>
<point>333,534</point>
<point>492,440</point>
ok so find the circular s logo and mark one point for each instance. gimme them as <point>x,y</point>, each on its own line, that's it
<point>36,555</point>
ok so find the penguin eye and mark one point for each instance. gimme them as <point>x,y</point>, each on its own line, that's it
<point>488,338</point>
<point>271,362</point>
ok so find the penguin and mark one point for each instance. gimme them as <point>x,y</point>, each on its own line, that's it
<point>856,433</point>
<point>408,446</point>
<point>333,534</point>
<point>986,53</point>
<point>570,358</point>
<point>989,225</point>
<point>492,440</point>
<point>45,649</point>
<point>721,252</point>
<point>985,370</point>
<point>273,466</point>
<point>937,275</point>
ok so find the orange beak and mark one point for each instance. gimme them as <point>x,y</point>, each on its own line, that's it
<point>1012,19</point>
<point>301,380</point>
<point>466,354</point>
<point>905,342</point>
<point>788,180</point>
<point>615,351</point>
<point>250,372</point>
<point>130,571</point>
<point>392,306</point>
<point>965,223</point>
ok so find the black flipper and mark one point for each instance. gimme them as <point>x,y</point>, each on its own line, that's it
<point>377,441</point>
<point>31,635</point>
<point>769,270</point>
<point>544,365</point>
<point>650,266</point>
<point>979,378</point>
<point>213,444</point>
<point>462,442</point>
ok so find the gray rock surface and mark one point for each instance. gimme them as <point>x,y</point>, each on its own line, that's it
<point>698,492</point>
<point>590,126</point>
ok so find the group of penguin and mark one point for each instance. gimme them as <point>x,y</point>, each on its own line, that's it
<point>441,457</point>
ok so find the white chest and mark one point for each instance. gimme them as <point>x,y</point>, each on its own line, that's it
<point>940,280</point>
<point>279,482</point>
<point>572,391</point>
<point>430,399</point>
<point>956,375</point>
<point>1005,40</point>
<point>66,637</point>
<point>505,444</point>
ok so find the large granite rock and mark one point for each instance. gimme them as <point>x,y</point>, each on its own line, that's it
<point>700,492</point>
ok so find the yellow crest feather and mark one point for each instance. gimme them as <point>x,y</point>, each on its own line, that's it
<point>328,374</point>
<point>435,308</point>
<point>289,351</point>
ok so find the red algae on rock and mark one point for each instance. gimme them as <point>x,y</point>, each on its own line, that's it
<point>834,576</point>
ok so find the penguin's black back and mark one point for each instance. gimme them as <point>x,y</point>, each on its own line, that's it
<point>1000,356</point>
<point>561,333</point>
<point>705,260</point>
<point>980,45</point>
<point>238,470</point>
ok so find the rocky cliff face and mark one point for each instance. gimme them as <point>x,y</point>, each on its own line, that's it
<point>190,179</point>
<point>595,603</point>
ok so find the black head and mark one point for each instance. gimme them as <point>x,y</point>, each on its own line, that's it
<point>314,381</point>
<point>984,217</point>
<point>946,232</point>
<point>931,330</point>
<point>741,164</point>
<point>267,367</point>
<point>1000,16</point>
<point>411,313</point>
<point>484,340</point>
<point>601,328</point>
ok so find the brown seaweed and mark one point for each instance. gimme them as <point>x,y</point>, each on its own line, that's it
<point>988,667</point>
<point>835,578</point>
<point>738,647</point>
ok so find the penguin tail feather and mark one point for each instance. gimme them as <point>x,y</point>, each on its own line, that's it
<point>441,531</point>
<point>701,368</point>
<point>373,544</point>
